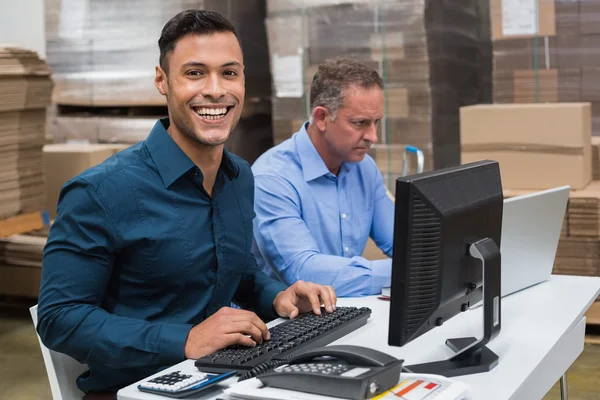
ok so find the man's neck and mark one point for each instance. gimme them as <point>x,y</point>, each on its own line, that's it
<point>206,158</point>
<point>332,163</point>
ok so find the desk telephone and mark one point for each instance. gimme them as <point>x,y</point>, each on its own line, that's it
<point>351,372</point>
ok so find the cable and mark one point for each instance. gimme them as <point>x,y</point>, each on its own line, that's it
<point>262,368</point>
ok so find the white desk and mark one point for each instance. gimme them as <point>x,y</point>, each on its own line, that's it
<point>542,334</point>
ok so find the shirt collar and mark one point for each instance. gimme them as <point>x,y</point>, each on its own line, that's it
<point>313,166</point>
<point>229,165</point>
<point>171,161</point>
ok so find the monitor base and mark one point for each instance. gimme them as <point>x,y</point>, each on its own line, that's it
<point>481,360</point>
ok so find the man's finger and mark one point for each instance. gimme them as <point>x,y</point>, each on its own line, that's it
<point>333,296</point>
<point>253,319</point>
<point>238,338</point>
<point>325,297</point>
<point>287,309</point>
<point>312,294</point>
<point>249,328</point>
<point>261,326</point>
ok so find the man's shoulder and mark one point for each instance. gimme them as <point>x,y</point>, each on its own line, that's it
<point>114,167</point>
<point>281,160</point>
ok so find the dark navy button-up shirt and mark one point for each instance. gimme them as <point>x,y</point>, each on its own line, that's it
<point>139,253</point>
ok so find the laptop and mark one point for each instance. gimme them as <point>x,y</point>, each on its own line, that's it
<point>531,226</point>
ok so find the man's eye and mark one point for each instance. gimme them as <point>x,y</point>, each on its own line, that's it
<point>194,73</point>
<point>230,73</point>
<point>359,123</point>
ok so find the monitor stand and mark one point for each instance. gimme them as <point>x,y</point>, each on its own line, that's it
<point>472,354</point>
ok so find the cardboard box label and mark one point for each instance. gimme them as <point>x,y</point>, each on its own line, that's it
<point>287,75</point>
<point>519,17</point>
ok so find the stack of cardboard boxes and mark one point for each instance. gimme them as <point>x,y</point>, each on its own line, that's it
<point>25,90</point>
<point>433,59</point>
<point>547,51</point>
<point>546,70</point>
<point>25,93</point>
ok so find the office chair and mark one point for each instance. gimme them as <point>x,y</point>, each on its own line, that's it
<point>62,370</point>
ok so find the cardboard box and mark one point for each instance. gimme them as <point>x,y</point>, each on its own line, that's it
<point>516,19</point>
<point>538,146</point>
<point>65,161</point>
<point>541,86</point>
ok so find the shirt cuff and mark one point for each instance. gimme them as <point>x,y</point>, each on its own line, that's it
<point>265,303</point>
<point>172,342</point>
<point>381,275</point>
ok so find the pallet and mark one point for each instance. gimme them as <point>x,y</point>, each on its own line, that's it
<point>23,223</point>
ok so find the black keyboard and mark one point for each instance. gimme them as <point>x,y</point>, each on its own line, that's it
<point>305,331</point>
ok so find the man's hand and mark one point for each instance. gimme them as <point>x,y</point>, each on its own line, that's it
<point>226,327</point>
<point>302,297</point>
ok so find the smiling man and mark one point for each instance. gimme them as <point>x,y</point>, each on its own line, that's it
<point>149,249</point>
<point>319,196</point>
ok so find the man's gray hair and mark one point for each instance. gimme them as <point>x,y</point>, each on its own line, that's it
<point>334,77</point>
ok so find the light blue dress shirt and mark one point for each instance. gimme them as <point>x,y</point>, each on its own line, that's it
<point>313,225</point>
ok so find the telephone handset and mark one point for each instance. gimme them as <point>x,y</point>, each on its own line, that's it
<point>351,372</point>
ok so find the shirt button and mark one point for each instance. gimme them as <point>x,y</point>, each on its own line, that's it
<point>346,249</point>
<point>196,171</point>
<point>344,215</point>
<point>220,284</point>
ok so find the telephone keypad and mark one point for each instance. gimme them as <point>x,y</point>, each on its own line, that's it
<point>315,368</point>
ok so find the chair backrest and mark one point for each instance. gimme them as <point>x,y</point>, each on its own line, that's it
<point>62,370</point>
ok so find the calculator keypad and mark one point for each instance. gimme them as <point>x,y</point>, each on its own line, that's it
<point>175,381</point>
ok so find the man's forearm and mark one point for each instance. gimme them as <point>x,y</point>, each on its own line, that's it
<point>92,335</point>
<point>354,276</point>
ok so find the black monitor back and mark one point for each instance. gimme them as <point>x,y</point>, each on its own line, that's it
<point>438,215</point>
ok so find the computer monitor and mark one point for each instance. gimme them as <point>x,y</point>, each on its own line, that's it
<point>446,257</point>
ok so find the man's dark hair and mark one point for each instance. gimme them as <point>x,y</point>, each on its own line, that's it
<point>336,75</point>
<point>199,22</point>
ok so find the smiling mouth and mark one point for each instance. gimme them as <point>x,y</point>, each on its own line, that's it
<point>212,113</point>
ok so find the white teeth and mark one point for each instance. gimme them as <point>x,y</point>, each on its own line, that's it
<point>211,111</point>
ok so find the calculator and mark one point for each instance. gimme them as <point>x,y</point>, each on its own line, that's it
<point>180,384</point>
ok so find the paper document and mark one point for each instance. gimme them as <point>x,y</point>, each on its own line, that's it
<point>425,387</point>
<point>410,387</point>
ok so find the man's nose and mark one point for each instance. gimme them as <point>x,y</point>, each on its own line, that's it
<point>371,133</point>
<point>213,87</point>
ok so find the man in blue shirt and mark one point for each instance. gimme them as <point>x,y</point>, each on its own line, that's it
<point>150,248</point>
<point>319,196</point>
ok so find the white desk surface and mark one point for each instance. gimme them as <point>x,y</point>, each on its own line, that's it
<point>542,334</point>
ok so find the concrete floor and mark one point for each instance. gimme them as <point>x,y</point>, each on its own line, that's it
<point>23,375</point>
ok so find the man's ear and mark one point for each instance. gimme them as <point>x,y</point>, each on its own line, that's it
<point>321,118</point>
<point>160,80</point>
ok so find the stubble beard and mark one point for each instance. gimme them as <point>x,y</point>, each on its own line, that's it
<point>183,124</point>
